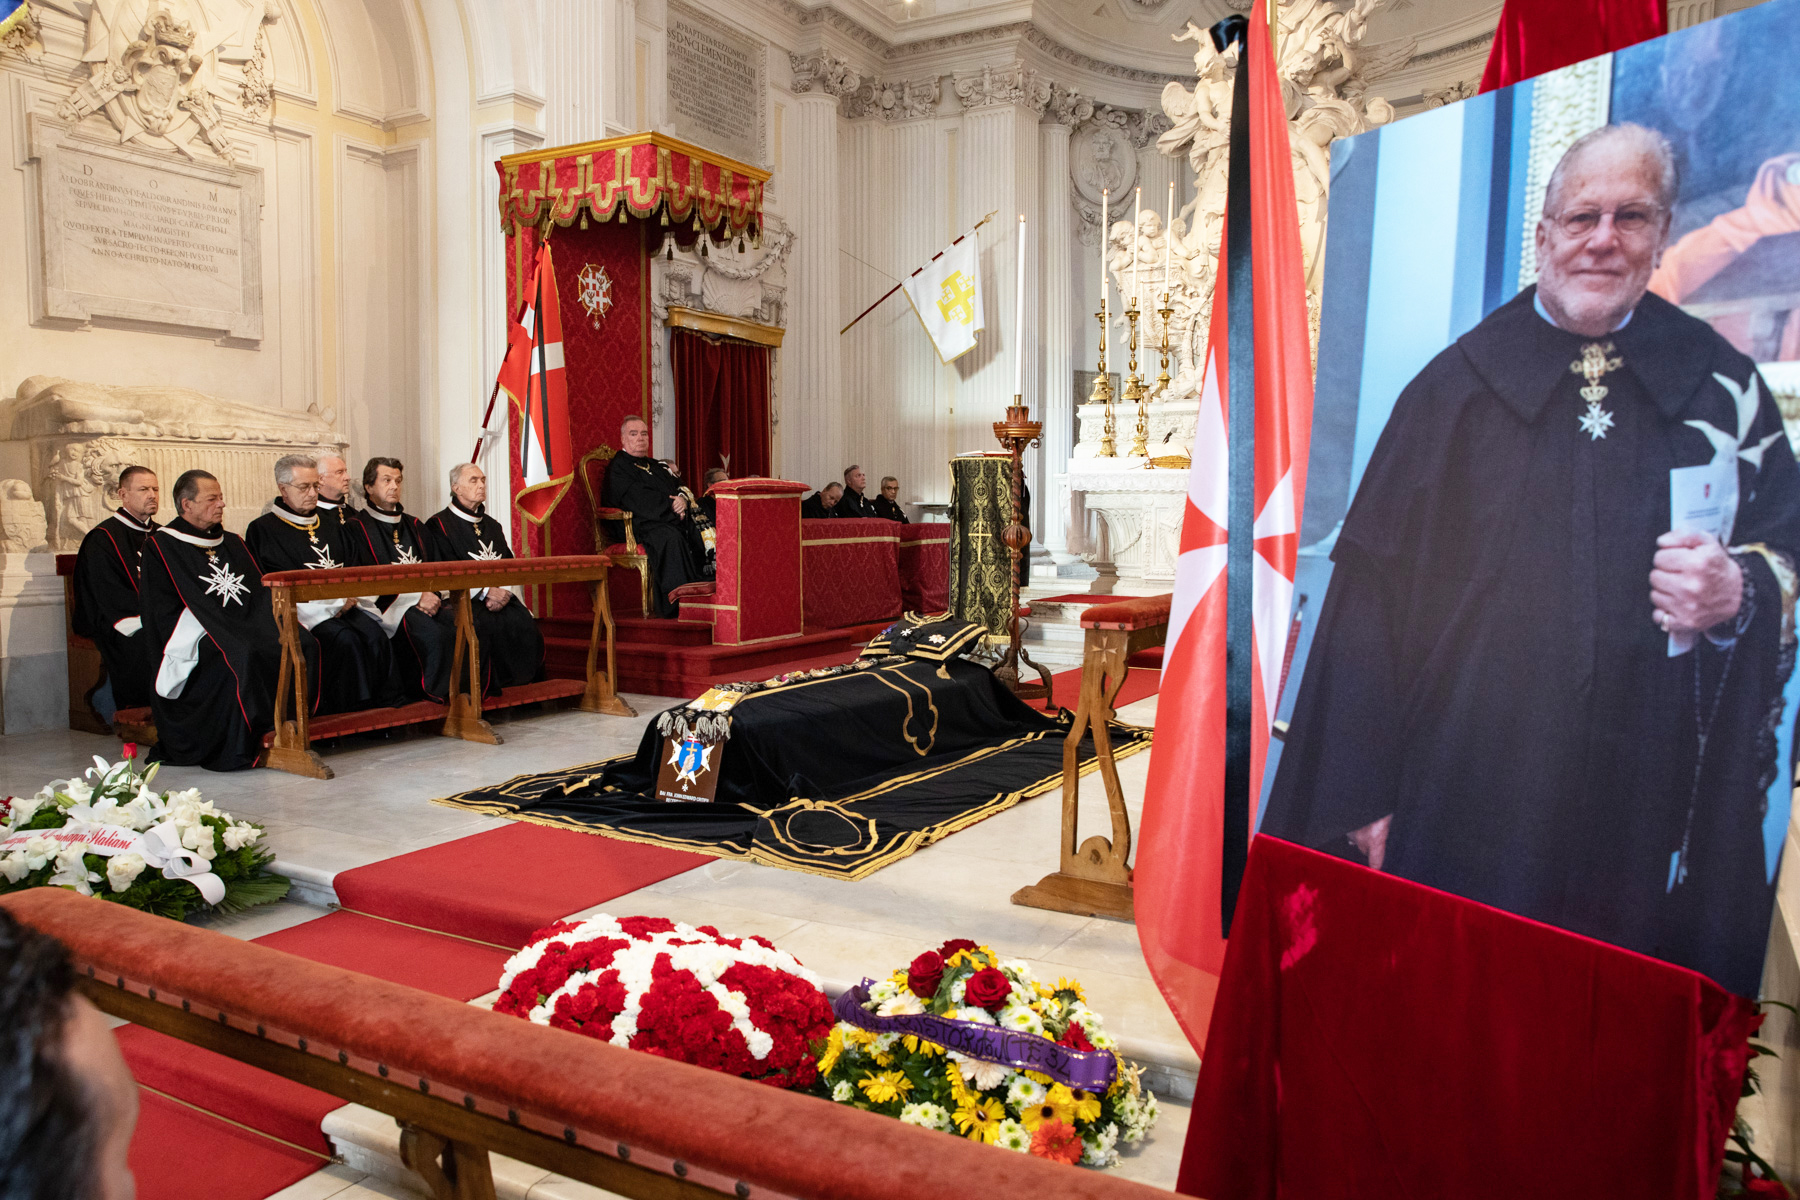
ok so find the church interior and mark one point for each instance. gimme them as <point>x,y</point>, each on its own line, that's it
<point>410,291</point>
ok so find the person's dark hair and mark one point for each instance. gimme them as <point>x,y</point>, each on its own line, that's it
<point>125,476</point>
<point>829,486</point>
<point>370,467</point>
<point>714,475</point>
<point>850,470</point>
<point>188,486</point>
<point>49,1142</point>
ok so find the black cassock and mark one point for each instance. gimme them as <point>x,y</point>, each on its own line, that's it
<point>219,655</point>
<point>644,488</point>
<point>107,608</point>
<point>422,645</point>
<point>888,510</point>
<point>1486,667</point>
<point>512,647</point>
<point>354,657</point>
<point>854,504</point>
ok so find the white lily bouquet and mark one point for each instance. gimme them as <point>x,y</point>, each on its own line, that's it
<point>110,834</point>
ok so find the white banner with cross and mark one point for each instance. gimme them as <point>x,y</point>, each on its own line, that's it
<point>946,295</point>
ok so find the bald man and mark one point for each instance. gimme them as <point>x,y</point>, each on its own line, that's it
<point>1550,661</point>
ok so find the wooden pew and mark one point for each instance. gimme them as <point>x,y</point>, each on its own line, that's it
<point>290,746</point>
<point>1095,878</point>
<point>87,672</point>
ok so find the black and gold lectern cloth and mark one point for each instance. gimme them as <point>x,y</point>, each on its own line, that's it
<point>980,562</point>
<point>838,776</point>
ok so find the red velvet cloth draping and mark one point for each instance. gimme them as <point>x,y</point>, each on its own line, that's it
<point>644,174</point>
<point>1542,35</point>
<point>925,568</point>
<point>1375,1037</point>
<point>757,592</point>
<point>606,364</point>
<point>721,406</point>
<point>852,571</point>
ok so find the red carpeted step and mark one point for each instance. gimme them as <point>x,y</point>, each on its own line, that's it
<point>1065,686</point>
<point>503,885</point>
<point>231,1089</point>
<point>431,962</point>
<point>180,1154</point>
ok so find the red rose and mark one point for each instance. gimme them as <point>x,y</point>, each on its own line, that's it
<point>1756,1186</point>
<point>954,944</point>
<point>926,972</point>
<point>987,988</point>
<point>130,749</point>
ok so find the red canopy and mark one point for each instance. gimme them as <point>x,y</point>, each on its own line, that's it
<point>644,174</point>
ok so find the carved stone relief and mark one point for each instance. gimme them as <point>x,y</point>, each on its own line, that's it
<point>894,100</point>
<point>1013,84</point>
<point>1460,90</point>
<point>22,525</point>
<point>751,286</point>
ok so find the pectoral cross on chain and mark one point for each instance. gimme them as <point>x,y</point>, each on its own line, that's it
<point>1593,364</point>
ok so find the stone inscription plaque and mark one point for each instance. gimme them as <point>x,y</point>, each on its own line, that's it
<point>147,237</point>
<point>716,86</point>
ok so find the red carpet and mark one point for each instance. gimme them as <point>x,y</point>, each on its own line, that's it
<point>224,1086</point>
<point>548,874</point>
<point>180,1154</point>
<point>1065,687</point>
<point>428,961</point>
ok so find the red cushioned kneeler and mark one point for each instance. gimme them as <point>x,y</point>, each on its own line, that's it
<point>1375,1037</point>
<point>925,568</point>
<point>852,571</point>
<point>757,592</point>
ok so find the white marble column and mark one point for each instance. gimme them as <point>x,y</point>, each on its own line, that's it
<point>580,65</point>
<point>916,230</point>
<point>812,435</point>
<point>1056,406</point>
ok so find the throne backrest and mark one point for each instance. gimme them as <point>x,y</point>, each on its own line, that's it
<point>609,523</point>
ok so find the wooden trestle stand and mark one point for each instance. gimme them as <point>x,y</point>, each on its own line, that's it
<point>1015,433</point>
<point>1095,877</point>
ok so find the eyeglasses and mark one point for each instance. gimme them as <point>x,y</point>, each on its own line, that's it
<point>1628,219</point>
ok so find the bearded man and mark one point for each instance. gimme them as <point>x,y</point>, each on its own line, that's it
<point>1550,663</point>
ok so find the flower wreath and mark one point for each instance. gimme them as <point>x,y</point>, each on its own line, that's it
<point>736,1005</point>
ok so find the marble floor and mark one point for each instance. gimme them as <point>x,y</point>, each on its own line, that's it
<point>380,805</point>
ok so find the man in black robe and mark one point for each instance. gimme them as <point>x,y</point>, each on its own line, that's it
<point>887,503</point>
<point>1542,678</point>
<point>383,533</point>
<point>107,607</point>
<point>209,618</point>
<point>334,507</point>
<point>853,503</point>
<point>355,659</point>
<point>818,506</point>
<point>708,501</point>
<point>661,519</point>
<point>512,648</point>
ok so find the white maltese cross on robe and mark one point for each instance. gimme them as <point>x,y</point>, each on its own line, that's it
<point>224,583</point>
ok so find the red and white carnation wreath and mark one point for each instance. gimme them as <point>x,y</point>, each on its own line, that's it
<point>736,1005</point>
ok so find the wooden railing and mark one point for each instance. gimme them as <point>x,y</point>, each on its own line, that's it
<point>1095,877</point>
<point>464,1082</point>
<point>291,748</point>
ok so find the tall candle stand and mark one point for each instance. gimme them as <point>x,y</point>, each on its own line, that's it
<point>1102,394</point>
<point>1134,390</point>
<point>1015,433</point>
<point>1167,313</point>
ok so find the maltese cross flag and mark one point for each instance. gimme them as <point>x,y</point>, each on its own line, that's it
<point>532,375</point>
<point>1228,623</point>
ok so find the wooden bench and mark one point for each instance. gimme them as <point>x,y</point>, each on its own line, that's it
<point>1095,877</point>
<point>87,672</point>
<point>290,741</point>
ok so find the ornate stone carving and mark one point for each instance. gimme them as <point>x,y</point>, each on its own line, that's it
<point>824,72</point>
<point>894,99</point>
<point>25,40</point>
<point>160,72</point>
<point>256,95</point>
<point>750,286</point>
<point>1013,84</point>
<point>1068,107</point>
<point>1564,105</point>
<point>80,435</point>
<point>1101,156</point>
<point>1450,95</point>
<point>23,529</point>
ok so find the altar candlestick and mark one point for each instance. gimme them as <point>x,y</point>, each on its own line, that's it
<point>1019,319</point>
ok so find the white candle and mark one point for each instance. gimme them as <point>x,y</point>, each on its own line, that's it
<point>1169,239</point>
<point>1105,196</point>
<point>1137,222</point>
<point>1019,319</point>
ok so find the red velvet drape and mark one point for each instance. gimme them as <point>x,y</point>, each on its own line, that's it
<point>721,406</point>
<point>1542,35</point>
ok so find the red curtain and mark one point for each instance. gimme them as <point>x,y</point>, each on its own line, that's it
<point>721,406</point>
<point>1536,36</point>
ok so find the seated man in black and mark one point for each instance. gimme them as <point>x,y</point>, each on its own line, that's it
<point>356,662</point>
<point>512,647</point>
<point>887,504</point>
<point>820,503</point>
<point>107,608</point>
<point>853,503</point>
<point>385,533</point>
<point>708,501</point>
<point>661,516</point>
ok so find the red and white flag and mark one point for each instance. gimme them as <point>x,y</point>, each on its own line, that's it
<point>532,375</point>
<point>1180,864</point>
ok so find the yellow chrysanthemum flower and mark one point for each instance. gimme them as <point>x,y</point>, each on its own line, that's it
<point>1038,1077</point>
<point>914,1045</point>
<point>1086,1105</point>
<point>1052,1108</point>
<point>883,1060</point>
<point>834,1050</point>
<point>979,1121</point>
<point>889,1085</point>
<point>860,1037</point>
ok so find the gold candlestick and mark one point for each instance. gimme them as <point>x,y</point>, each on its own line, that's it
<point>1016,433</point>
<point>1166,313</point>
<point>1102,394</point>
<point>1134,390</point>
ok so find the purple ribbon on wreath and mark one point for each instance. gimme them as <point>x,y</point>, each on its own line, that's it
<point>1088,1070</point>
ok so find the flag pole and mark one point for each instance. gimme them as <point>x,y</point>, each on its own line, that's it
<point>485,417</point>
<point>865,312</point>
